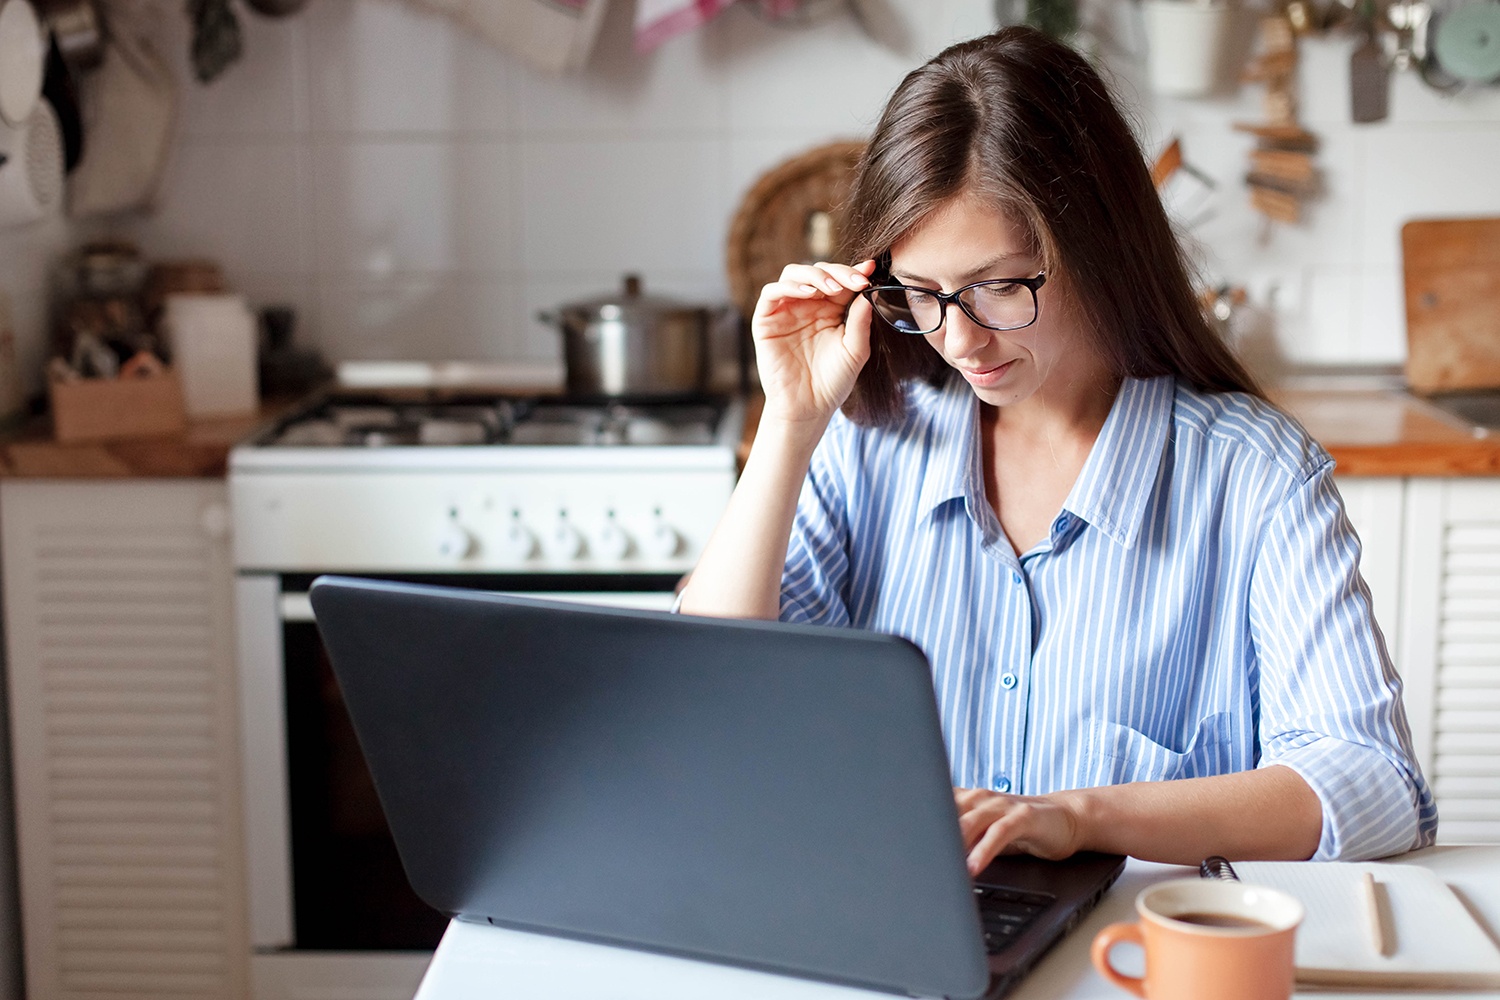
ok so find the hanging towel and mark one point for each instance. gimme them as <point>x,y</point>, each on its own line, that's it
<point>658,20</point>
<point>552,35</point>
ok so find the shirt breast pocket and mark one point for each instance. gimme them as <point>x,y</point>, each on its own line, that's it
<point>1120,754</point>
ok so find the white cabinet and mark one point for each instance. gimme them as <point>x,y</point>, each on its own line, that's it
<point>120,642</point>
<point>1432,559</point>
<point>1450,648</point>
<point>120,639</point>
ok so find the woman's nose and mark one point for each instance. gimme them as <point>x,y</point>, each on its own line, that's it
<point>962,335</point>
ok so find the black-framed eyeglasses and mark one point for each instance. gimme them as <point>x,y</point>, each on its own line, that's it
<point>996,304</point>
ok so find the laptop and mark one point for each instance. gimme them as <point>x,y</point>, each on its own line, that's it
<point>766,795</point>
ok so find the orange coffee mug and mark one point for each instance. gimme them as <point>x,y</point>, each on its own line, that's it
<point>1205,938</point>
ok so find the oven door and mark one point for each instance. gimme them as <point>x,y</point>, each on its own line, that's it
<point>323,870</point>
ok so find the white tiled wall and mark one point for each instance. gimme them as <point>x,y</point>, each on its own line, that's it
<point>415,193</point>
<point>1334,284</point>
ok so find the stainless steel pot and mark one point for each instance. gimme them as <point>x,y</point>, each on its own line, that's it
<point>633,344</point>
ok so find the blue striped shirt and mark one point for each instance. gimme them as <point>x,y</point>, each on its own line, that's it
<point>1195,609</point>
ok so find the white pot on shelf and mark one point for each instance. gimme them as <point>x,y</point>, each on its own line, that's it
<point>1185,40</point>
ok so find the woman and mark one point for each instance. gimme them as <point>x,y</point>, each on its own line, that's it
<point>1122,563</point>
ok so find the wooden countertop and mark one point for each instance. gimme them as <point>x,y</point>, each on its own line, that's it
<point>1369,432</point>
<point>1384,432</point>
<point>201,451</point>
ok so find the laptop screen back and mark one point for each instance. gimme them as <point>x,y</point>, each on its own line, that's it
<point>763,794</point>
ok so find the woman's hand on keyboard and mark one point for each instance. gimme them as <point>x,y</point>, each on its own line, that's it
<point>993,823</point>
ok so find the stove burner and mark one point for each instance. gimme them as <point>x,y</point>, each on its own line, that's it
<point>367,423</point>
<point>383,436</point>
<point>617,424</point>
<point>442,431</point>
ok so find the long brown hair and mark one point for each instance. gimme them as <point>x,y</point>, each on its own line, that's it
<point>1026,123</point>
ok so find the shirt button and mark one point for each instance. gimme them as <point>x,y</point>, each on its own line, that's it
<point>1015,578</point>
<point>1007,681</point>
<point>1003,784</point>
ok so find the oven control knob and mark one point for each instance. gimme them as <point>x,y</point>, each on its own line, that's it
<point>663,541</point>
<point>520,541</point>
<point>456,541</point>
<point>565,541</point>
<point>613,542</point>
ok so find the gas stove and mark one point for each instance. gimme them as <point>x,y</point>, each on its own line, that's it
<point>366,421</point>
<point>435,477</point>
<point>443,479</point>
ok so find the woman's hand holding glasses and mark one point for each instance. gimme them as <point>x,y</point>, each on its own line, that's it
<point>812,337</point>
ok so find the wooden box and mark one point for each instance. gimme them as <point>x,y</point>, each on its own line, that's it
<point>97,409</point>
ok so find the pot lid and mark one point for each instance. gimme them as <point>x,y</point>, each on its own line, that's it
<point>630,300</point>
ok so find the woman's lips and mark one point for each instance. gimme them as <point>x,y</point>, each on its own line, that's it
<point>985,376</point>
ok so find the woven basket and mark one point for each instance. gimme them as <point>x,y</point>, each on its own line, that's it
<point>792,214</point>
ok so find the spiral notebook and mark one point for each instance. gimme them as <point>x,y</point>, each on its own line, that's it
<point>1432,939</point>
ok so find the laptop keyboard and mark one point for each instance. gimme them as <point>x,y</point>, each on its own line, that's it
<point>1006,913</point>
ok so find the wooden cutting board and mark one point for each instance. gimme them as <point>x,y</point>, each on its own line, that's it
<point>1452,270</point>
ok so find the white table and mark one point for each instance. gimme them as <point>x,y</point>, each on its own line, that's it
<point>475,962</point>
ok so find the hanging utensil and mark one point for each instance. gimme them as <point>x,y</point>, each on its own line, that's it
<point>1369,77</point>
<point>216,38</point>
<point>1421,22</point>
<point>1467,42</point>
<point>1335,15</point>
<point>31,167</point>
<point>276,8</point>
<point>61,92</point>
<point>78,30</point>
<point>1427,62</point>
<point>1400,19</point>
<point>23,54</point>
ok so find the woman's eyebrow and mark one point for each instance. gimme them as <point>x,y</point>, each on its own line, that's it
<point>971,275</point>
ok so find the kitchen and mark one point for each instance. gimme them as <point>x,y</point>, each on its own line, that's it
<point>413,193</point>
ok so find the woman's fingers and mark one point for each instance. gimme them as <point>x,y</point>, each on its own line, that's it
<point>775,296</point>
<point>977,809</point>
<point>810,281</point>
<point>792,289</point>
<point>966,798</point>
<point>992,823</point>
<point>857,329</point>
<point>849,277</point>
<point>832,279</point>
<point>812,336</point>
<point>997,837</point>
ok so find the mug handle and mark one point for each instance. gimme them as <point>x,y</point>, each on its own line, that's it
<point>1105,940</point>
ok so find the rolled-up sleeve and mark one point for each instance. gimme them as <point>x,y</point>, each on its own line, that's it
<point>1330,699</point>
<point>814,581</point>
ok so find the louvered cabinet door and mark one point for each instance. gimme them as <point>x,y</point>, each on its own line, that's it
<point>119,630</point>
<point>1451,639</point>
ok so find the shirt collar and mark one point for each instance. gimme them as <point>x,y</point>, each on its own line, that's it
<point>1115,486</point>
<point>953,471</point>
<point>1113,489</point>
